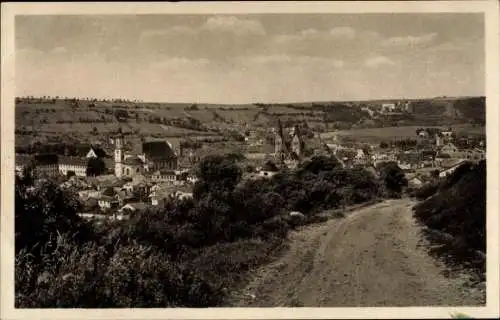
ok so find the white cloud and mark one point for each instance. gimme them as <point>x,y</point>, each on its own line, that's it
<point>175,63</point>
<point>59,50</point>
<point>174,31</point>
<point>234,25</point>
<point>409,40</point>
<point>375,62</point>
<point>343,32</point>
<point>291,61</point>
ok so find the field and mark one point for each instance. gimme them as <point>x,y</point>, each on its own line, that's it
<point>387,133</point>
<point>83,120</point>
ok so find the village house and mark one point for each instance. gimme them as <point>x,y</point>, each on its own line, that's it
<point>123,197</point>
<point>409,161</point>
<point>388,107</point>
<point>76,165</point>
<point>46,164</point>
<point>449,148</point>
<point>414,180</point>
<point>133,207</point>
<point>268,170</point>
<point>22,162</point>
<point>107,202</point>
<point>164,175</point>
<point>448,133</point>
<point>88,194</point>
<point>96,152</point>
<point>446,171</point>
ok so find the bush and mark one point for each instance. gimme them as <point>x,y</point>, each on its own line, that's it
<point>459,210</point>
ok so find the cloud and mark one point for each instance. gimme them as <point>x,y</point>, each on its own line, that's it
<point>170,32</point>
<point>59,50</point>
<point>235,25</point>
<point>176,63</point>
<point>343,32</point>
<point>291,61</point>
<point>378,61</point>
<point>409,40</point>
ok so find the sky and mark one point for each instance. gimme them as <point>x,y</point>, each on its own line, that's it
<point>251,58</point>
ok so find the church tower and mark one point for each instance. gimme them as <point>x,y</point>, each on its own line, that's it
<point>118,154</point>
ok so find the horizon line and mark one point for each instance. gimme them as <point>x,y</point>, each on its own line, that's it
<point>111,99</point>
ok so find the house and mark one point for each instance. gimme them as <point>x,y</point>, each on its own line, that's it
<point>22,162</point>
<point>409,161</point>
<point>450,169</point>
<point>388,107</point>
<point>133,207</point>
<point>447,133</point>
<point>268,170</point>
<point>124,197</point>
<point>414,181</point>
<point>76,165</point>
<point>181,195</point>
<point>422,133</point>
<point>107,202</point>
<point>95,152</point>
<point>46,164</point>
<point>164,175</point>
<point>449,148</point>
<point>88,194</point>
<point>135,185</point>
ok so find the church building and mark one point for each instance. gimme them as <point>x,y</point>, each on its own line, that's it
<point>153,156</point>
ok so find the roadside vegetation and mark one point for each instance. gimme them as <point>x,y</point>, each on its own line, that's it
<point>453,210</point>
<point>190,253</point>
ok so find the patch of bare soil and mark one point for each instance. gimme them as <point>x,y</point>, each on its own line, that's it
<point>371,258</point>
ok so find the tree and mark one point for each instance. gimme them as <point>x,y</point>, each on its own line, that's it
<point>42,211</point>
<point>394,178</point>
<point>95,167</point>
<point>320,163</point>
<point>216,174</point>
<point>384,145</point>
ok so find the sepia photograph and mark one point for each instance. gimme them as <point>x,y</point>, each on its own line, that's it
<point>249,160</point>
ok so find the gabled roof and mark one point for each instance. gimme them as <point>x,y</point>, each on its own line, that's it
<point>74,161</point>
<point>133,161</point>
<point>453,165</point>
<point>99,151</point>
<point>157,149</point>
<point>46,159</point>
<point>135,206</point>
<point>106,198</point>
<point>164,172</point>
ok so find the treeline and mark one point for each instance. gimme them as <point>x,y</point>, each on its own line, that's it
<point>62,149</point>
<point>455,207</point>
<point>189,253</point>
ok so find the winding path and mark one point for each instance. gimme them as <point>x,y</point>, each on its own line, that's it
<point>370,258</point>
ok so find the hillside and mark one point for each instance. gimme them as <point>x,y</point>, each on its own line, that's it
<point>455,216</point>
<point>52,120</point>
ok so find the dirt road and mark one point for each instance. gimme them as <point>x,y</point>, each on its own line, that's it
<point>370,258</point>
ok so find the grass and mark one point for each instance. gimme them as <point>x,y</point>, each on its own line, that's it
<point>394,132</point>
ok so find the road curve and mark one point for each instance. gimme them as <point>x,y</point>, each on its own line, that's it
<point>371,258</point>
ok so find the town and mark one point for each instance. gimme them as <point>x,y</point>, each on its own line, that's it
<point>113,178</point>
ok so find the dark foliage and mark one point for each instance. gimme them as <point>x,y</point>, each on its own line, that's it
<point>458,209</point>
<point>188,253</point>
<point>393,177</point>
<point>95,167</point>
